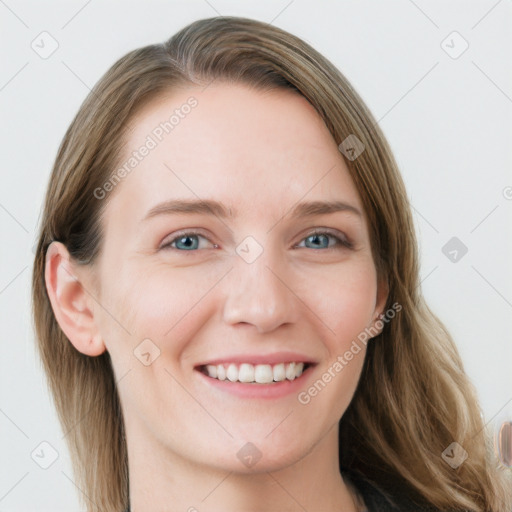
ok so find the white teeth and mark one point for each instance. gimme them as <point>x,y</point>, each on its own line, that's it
<point>221,372</point>
<point>246,373</point>
<point>290,371</point>
<point>232,372</point>
<point>263,373</point>
<point>212,370</point>
<point>279,372</point>
<point>260,373</point>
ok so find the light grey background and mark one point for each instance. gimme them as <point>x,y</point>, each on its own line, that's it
<point>447,119</point>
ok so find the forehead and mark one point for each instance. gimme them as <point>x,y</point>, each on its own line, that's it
<point>255,151</point>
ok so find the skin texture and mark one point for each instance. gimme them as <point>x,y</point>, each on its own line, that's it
<point>259,154</point>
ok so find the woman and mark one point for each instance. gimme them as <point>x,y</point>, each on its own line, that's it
<point>226,295</point>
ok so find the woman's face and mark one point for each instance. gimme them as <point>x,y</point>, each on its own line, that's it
<point>220,248</point>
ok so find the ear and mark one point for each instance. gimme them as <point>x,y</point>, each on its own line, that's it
<point>382,297</point>
<point>72,304</point>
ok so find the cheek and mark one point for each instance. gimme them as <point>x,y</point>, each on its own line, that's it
<point>355,306</point>
<point>155,310</point>
<point>159,303</point>
<point>343,299</point>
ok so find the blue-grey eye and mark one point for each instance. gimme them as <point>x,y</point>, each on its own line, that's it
<point>318,241</point>
<point>186,242</point>
<point>324,240</point>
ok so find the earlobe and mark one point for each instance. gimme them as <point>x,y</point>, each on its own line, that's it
<point>71,303</point>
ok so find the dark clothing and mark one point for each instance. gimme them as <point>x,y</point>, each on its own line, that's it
<point>377,499</point>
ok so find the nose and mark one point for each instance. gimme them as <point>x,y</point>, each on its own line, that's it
<point>261,294</point>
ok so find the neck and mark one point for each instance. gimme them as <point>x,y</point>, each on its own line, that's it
<point>164,481</point>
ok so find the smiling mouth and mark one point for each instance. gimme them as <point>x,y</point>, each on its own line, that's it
<point>255,374</point>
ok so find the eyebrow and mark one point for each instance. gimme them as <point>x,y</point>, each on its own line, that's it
<point>211,207</point>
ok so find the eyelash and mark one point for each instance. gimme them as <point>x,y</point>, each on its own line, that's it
<point>340,242</point>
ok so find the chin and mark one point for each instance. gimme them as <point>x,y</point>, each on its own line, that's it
<point>260,456</point>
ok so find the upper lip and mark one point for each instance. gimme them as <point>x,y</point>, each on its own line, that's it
<point>273,358</point>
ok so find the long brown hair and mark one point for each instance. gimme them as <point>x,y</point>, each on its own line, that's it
<point>413,399</point>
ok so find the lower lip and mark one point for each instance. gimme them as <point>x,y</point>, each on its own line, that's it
<point>255,390</point>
